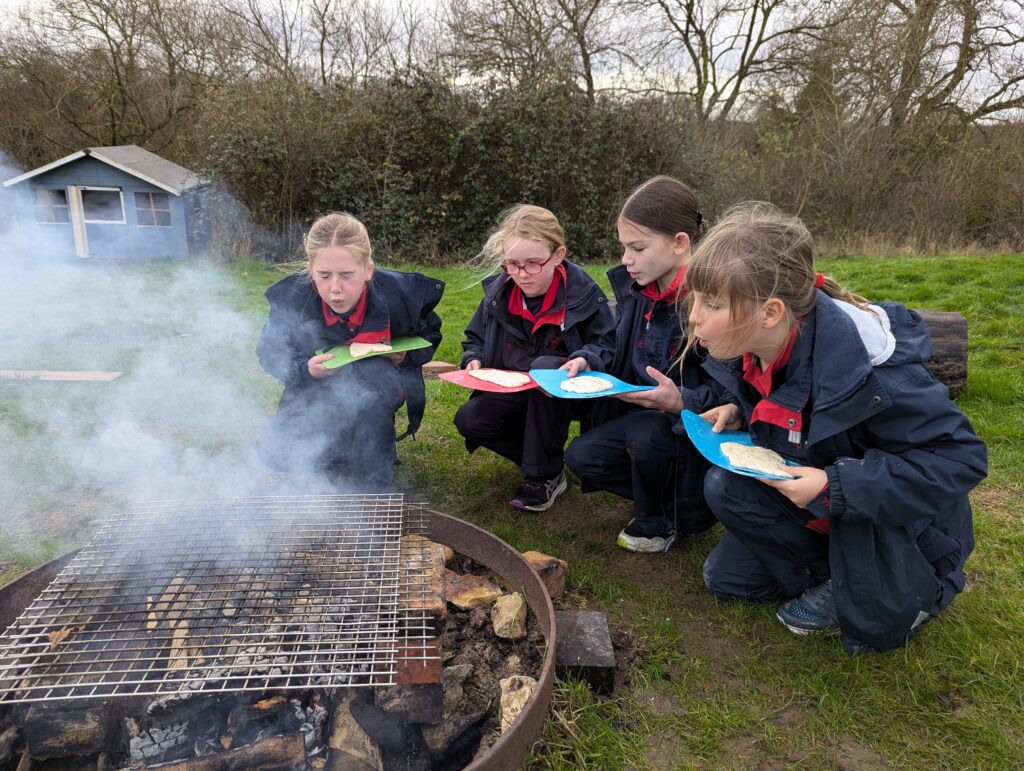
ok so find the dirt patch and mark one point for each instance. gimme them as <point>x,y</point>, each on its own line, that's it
<point>1000,502</point>
<point>850,755</point>
<point>665,750</point>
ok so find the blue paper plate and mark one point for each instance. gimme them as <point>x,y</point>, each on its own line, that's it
<point>549,380</point>
<point>710,444</point>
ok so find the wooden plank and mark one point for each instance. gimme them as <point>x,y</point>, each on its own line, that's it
<point>434,368</point>
<point>59,376</point>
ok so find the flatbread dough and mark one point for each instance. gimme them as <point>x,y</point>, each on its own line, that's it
<point>361,349</point>
<point>585,384</point>
<point>755,458</point>
<point>501,377</point>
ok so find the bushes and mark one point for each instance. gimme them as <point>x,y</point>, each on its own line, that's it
<point>429,168</point>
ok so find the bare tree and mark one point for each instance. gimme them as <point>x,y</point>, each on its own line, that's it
<point>911,60</point>
<point>715,51</point>
<point>526,42</point>
<point>111,71</point>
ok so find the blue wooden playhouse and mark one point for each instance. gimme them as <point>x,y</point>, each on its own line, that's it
<point>111,203</point>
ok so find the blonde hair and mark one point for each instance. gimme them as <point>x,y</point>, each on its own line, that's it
<point>338,229</point>
<point>753,254</point>
<point>534,223</point>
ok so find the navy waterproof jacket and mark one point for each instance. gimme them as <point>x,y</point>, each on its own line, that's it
<point>638,342</point>
<point>900,458</point>
<point>295,330</point>
<point>587,317</point>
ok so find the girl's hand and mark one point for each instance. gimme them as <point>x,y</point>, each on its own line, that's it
<point>396,358</point>
<point>472,365</point>
<point>575,366</point>
<point>724,416</point>
<point>666,396</point>
<point>805,488</point>
<point>316,366</point>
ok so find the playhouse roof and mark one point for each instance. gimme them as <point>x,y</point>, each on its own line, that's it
<point>130,159</point>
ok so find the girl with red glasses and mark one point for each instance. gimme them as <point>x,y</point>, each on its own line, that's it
<point>537,309</point>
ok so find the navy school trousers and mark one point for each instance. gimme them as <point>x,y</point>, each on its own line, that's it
<point>767,552</point>
<point>342,426</point>
<point>528,427</point>
<point>639,456</point>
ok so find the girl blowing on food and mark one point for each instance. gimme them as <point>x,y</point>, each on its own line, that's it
<point>637,449</point>
<point>341,421</point>
<point>869,537</point>
<point>536,310</point>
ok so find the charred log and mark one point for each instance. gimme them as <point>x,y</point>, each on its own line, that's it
<point>278,753</point>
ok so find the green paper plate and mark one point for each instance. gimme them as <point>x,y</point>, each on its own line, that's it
<point>343,354</point>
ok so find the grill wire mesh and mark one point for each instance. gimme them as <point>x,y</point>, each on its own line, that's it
<point>244,594</point>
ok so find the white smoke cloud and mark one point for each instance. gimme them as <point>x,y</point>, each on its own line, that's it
<point>180,422</point>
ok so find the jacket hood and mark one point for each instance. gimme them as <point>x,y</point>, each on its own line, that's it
<point>874,329</point>
<point>891,334</point>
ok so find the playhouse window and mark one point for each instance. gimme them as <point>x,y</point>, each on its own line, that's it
<point>153,209</point>
<point>102,204</point>
<point>51,205</point>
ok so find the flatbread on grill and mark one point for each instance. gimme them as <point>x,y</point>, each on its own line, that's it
<point>755,458</point>
<point>361,349</point>
<point>501,377</point>
<point>585,384</point>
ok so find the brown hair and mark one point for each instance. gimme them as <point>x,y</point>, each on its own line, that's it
<point>534,223</point>
<point>339,229</point>
<point>756,253</point>
<point>666,206</point>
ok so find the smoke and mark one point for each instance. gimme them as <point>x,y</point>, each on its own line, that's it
<point>180,422</point>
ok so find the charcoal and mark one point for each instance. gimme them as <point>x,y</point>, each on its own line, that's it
<point>159,744</point>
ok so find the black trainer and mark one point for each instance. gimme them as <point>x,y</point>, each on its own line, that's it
<point>538,493</point>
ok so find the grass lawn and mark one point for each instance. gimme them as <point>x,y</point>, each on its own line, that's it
<point>703,683</point>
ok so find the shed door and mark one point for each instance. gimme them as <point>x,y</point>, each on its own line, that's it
<point>78,221</point>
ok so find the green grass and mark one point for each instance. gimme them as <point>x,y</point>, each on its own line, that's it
<point>704,683</point>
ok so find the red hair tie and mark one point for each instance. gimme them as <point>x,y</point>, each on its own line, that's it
<point>819,280</point>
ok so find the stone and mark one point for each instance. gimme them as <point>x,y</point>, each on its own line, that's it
<point>584,648</point>
<point>351,748</point>
<point>551,571</point>
<point>469,591</point>
<point>515,693</point>
<point>508,616</point>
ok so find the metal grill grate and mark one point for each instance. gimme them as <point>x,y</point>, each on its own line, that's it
<point>230,595</point>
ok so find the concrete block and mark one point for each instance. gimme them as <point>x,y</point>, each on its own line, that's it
<point>584,648</point>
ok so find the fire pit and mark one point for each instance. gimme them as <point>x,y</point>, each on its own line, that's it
<point>264,594</point>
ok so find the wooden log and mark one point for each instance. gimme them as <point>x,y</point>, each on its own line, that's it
<point>351,748</point>
<point>948,363</point>
<point>278,753</point>
<point>60,732</point>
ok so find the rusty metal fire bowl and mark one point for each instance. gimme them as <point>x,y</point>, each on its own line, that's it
<point>23,594</point>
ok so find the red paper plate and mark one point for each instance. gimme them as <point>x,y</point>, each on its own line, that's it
<point>463,378</point>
